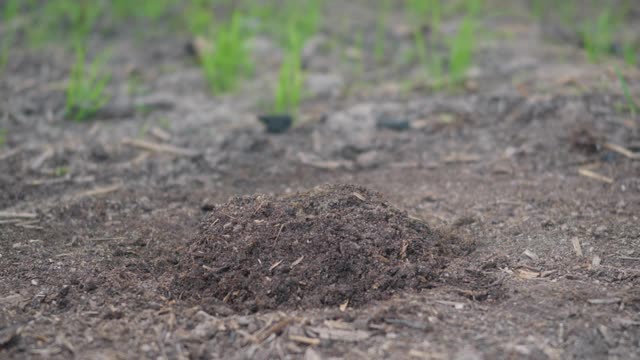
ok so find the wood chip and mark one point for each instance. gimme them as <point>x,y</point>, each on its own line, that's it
<point>38,161</point>
<point>595,262</point>
<point>621,150</point>
<point>263,334</point>
<point>15,215</point>
<point>531,255</point>
<point>98,191</point>
<point>595,176</point>
<point>114,238</point>
<point>461,158</point>
<point>604,301</point>
<point>343,306</point>
<point>9,154</point>
<point>546,273</point>
<point>160,133</point>
<point>414,353</point>
<point>311,354</point>
<point>418,325</point>
<point>627,322</point>
<point>576,246</point>
<point>298,261</point>
<point>278,235</point>
<point>304,340</point>
<point>275,265</point>
<point>629,258</point>
<point>606,334</point>
<point>359,196</point>
<point>9,222</point>
<point>160,148</point>
<point>526,274</point>
<point>456,305</point>
<point>312,160</point>
<point>340,335</point>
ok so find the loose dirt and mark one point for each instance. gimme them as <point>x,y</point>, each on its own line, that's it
<point>519,215</point>
<point>338,244</point>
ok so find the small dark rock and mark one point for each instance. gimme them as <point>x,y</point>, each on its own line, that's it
<point>392,123</point>
<point>276,124</point>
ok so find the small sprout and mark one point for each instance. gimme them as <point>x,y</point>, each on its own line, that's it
<point>9,13</point>
<point>461,49</point>
<point>598,37</point>
<point>290,82</point>
<point>61,171</point>
<point>631,104</point>
<point>229,58</point>
<point>87,86</point>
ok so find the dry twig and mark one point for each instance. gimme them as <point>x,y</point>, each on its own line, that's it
<point>160,148</point>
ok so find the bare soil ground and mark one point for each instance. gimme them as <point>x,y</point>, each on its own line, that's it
<point>503,223</point>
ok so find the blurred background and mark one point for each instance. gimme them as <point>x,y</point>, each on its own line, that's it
<point>89,52</point>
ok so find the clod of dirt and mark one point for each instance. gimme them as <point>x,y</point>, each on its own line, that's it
<point>331,245</point>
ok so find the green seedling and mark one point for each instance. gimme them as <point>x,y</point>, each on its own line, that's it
<point>61,171</point>
<point>629,53</point>
<point>303,15</point>
<point>72,19</point>
<point>199,17</point>
<point>598,37</point>
<point>86,90</point>
<point>461,49</point>
<point>9,13</point>
<point>151,9</point>
<point>303,20</point>
<point>289,87</point>
<point>633,107</point>
<point>538,7</point>
<point>358,55</point>
<point>229,59</point>
<point>381,26</point>
<point>420,47</point>
<point>3,136</point>
<point>288,92</point>
<point>425,12</point>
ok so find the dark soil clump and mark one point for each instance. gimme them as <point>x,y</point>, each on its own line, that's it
<point>324,247</point>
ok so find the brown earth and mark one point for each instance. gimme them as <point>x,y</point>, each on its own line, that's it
<point>101,239</point>
<point>340,244</point>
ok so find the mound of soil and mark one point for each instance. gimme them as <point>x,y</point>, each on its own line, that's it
<point>324,247</point>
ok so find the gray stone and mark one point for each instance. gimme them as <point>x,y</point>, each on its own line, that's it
<point>323,85</point>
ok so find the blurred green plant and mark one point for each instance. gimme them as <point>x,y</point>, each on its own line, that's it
<point>199,17</point>
<point>61,171</point>
<point>8,16</point>
<point>228,59</point>
<point>151,9</point>
<point>629,54</point>
<point>597,36</point>
<point>86,88</point>
<point>425,12</point>
<point>631,104</point>
<point>3,136</point>
<point>288,93</point>
<point>381,26</point>
<point>538,7</point>
<point>70,19</point>
<point>461,47</point>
